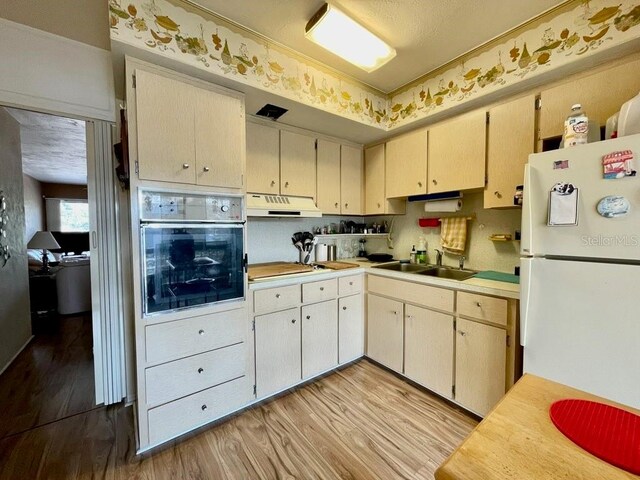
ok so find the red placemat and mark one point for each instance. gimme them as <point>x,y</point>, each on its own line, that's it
<point>607,432</point>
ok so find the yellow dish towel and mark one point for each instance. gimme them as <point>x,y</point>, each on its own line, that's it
<point>454,234</point>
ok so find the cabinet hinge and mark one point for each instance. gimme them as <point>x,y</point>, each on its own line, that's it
<point>538,103</point>
<point>255,390</point>
<point>508,340</point>
<point>316,144</point>
<point>486,180</point>
<point>488,117</point>
<point>253,326</point>
<point>453,390</point>
<point>137,166</point>
<point>454,325</point>
<point>133,80</point>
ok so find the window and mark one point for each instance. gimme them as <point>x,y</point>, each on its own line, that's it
<point>67,215</point>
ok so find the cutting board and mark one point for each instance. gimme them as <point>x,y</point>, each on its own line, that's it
<point>275,269</point>
<point>337,265</point>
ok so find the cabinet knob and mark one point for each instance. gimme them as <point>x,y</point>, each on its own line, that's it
<point>203,407</point>
<point>394,312</point>
<point>344,308</point>
<point>350,283</point>
<point>308,317</point>
<point>277,295</point>
<point>200,332</point>
<point>322,289</point>
<point>420,184</point>
<point>185,165</point>
<point>435,182</point>
<point>409,317</point>
<point>206,169</point>
<point>293,321</point>
<point>286,184</point>
<point>497,194</point>
<point>478,304</point>
<point>462,333</point>
<point>379,205</point>
<point>200,370</point>
<point>273,183</point>
<point>346,205</point>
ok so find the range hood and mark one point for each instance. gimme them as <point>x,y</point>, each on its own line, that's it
<point>280,206</point>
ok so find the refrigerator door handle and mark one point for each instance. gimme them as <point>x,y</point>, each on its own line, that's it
<point>525,296</point>
<point>525,242</point>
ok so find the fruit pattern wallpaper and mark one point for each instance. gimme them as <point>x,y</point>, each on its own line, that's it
<point>210,44</point>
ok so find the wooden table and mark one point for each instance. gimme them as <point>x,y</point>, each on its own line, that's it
<point>517,440</point>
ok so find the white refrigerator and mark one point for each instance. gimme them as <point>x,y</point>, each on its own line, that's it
<point>580,268</point>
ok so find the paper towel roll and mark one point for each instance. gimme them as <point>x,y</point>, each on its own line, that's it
<point>321,252</point>
<point>452,205</point>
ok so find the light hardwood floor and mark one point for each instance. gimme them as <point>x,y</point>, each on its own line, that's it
<point>52,378</point>
<point>358,423</point>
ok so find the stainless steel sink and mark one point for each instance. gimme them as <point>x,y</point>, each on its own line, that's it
<point>447,272</point>
<point>403,267</point>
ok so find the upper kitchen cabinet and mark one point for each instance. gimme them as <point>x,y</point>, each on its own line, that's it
<point>601,95</point>
<point>328,196</point>
<point>297,164</point>
<point>187,134</point>
<point>263,159</point>
<point>351,180</point>
<point>511,140</point>
<point>457,150</point>
<point>376,202</point>
<point>406,165</point>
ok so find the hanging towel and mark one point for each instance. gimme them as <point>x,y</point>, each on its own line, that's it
<point>454,234</point>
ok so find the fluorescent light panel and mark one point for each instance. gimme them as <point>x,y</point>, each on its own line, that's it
<point>332,29</point>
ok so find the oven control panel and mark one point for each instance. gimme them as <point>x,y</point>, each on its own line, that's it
<point>188,207</point>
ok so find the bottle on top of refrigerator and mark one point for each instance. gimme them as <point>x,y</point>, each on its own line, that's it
<point>576,127</point>
<point>412,255</point>
<point>421,253</point>
<point>629,121</point>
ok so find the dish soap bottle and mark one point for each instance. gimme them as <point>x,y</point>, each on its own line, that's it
<point>576,127</point>
<point>412,255</point>
<point>421,254</point>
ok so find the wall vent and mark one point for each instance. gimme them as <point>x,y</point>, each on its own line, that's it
<point>271,111</point>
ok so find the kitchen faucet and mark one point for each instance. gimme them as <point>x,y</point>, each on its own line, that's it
<point>438,257</point>
<point>461,261</point>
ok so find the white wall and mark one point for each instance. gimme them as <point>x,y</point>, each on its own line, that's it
<point>482,253</point>
<point>15,320</point>
<point>33,208</point>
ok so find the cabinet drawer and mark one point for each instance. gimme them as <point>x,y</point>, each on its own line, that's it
<point>274,299</point>
<point>490,309</point>
<point>424,295</point>
<point>183,377</point>
<point>350,285</point>
<point>181,338</point>
<point>319,291</point>
<point>178,417</point>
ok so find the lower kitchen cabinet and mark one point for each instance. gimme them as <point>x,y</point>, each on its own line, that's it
<point>428,349</point>
<point>385,331</point>
<point>350,328</point>
<point>480,365</point>
<point>278,351</point>
<point>319,338</point>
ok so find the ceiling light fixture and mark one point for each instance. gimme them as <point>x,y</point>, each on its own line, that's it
<point>332,29</point>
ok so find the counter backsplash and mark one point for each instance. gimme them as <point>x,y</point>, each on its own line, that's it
<point>269,239</point>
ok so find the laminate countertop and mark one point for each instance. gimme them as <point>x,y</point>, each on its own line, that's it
<point>517,440</point>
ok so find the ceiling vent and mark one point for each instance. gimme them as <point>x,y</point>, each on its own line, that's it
<point>271,111</point>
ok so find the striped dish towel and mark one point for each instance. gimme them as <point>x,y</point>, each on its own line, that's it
<point>454,234</point>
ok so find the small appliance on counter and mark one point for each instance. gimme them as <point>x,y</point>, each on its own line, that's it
<point>362,252</point>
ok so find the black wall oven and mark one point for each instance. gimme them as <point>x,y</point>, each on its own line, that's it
<point>192,250</point>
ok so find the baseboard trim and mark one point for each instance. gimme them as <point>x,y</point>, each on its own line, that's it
<point>16,355</point>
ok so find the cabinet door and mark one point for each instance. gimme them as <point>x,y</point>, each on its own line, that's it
<point>278,357</point>
<point>480,365</point>
<point>406,165</point>
<point>350,328</point>
<point>319,338</point>
<point>220,139</point>
<point>165,129</point>
<point>328,196</point>
<point>428,349</point>
<point>511,140</point>
<point>351,180</point>
<point>601,95</point>
<point>297,164</point>
<point>374,175</point>
<point>263,159</point>
<point>385,331</point>
<point>457,150</point>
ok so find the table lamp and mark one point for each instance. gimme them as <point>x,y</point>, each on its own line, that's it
<point>43,241</point>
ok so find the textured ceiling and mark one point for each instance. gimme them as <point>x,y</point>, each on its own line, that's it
<point>54,148</point>
<point>425,33</point>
